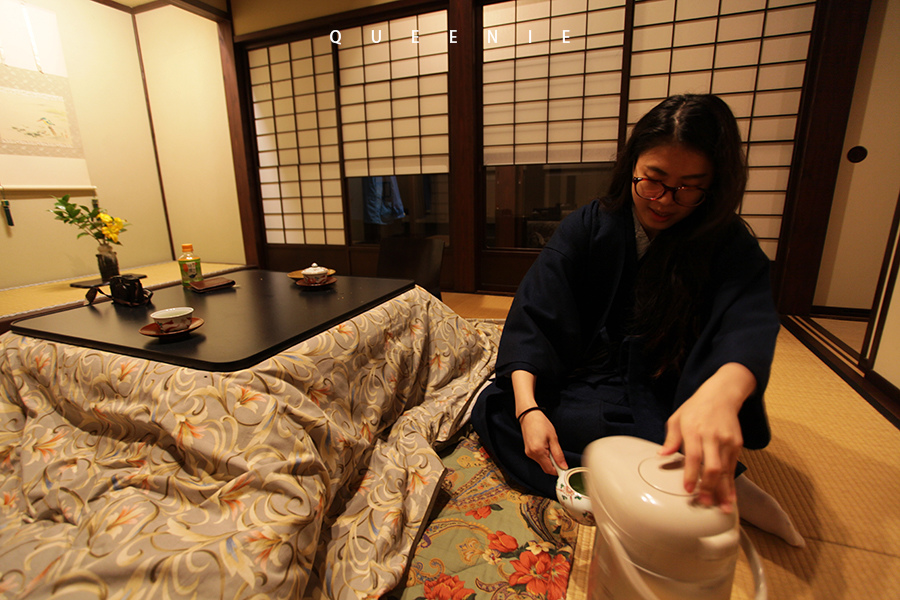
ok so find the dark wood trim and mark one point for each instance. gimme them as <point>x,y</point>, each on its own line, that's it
<point>846,314</point>
<point>149,6</point>
<point>503,270</point>
<point>248,208</point>
<point>887,281</point>
<point>202,9</point>
<point>625,85</point>
<point>836,44</point>
<point>192,6</point>
<point>841,345</point>
<point>162,187</point>
<point>325,25</point>
<point>466,173</point>
<point>115,5</point>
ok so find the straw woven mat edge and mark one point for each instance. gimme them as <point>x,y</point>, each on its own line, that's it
<point>834,465</point>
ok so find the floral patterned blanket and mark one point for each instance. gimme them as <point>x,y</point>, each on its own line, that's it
<point>489,540</point>
<point>308,475</point>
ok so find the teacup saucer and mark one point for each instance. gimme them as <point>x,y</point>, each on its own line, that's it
<point>298,275</point>
<point>328,281</point>
<point>153,329</point>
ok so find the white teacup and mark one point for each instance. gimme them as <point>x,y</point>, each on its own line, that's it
<point>314,274</point>
<point>170,320</point>
<point>571,491</point>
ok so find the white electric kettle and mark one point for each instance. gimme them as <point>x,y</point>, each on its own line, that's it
<point>654,541</point>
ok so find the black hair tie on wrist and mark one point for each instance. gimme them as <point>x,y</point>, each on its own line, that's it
<point>526,411</point>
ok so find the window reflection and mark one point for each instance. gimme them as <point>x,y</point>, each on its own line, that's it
<point>398,205</point>
<point>525,203</point>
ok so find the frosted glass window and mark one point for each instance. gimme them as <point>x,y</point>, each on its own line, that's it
<point>653,12</point>
<point>763,203</point>
<point>606,21</point>
<point>737,6</point>
<point>693,59</point>
<point>768,179</point>
<point>777,103</point>
<point>403,83</point>
<point>301,85</point>
<point>737,54</point>
<point>690,83</point>
<point>652,38</point>
<point>773,77</point>
<point>767,155</point>
<point>741,27</point>
<point>532,9</point>
<point>650,87</point>
<point>574,25</point>
<point>531,134</point>
<point>566,87</point>
<point>734,80</point>
<point>563,7</point>
<point>772,129</point>
<point>695,32</point>
<point>651,63</point>
<point>562,110</point>
<point>546,88</point>
<point>790,20</point>
<point>696,9</point>
<point>783,49</point>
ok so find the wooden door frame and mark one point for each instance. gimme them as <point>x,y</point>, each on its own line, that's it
<point>835,49</point>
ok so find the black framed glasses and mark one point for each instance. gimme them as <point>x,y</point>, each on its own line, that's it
<point>683,195</point>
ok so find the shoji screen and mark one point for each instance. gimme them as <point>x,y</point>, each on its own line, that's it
<point>393,78</point>
<point>297,138</point>
<point>752,53</point>
<point>552,74</point>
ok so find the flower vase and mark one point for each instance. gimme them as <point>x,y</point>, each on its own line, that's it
<point>107,261</point>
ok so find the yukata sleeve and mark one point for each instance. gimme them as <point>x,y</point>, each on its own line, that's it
<point>743,328</point>
<point>548,323</point>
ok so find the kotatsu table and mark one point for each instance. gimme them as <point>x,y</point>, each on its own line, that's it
<point>308,474</point>
<point>262,314</point>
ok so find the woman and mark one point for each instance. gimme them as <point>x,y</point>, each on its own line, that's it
<point>649,313</point>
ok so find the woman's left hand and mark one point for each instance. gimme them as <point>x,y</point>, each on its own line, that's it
<point>707,430</point>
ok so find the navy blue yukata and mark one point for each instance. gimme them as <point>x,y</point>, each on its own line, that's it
<point>567,326</point>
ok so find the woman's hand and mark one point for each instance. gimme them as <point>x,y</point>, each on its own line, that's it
<point>541,441</point>
<point>707,429</point>
<point>538,432</point>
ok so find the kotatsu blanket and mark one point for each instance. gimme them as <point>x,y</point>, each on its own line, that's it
<point>309,475</point>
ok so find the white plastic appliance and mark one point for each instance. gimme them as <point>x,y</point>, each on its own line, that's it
<point>654,541</point>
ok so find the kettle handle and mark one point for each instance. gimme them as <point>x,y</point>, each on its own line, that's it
<point>756,568</point>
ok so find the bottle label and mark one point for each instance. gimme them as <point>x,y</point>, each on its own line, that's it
<point>190,271</point>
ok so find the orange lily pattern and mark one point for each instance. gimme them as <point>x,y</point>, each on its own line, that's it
<point>310,474</point>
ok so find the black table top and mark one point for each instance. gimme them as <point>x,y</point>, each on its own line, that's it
<point>264,313</point>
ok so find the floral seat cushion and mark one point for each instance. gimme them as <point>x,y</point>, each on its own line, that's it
<point>489,540</point>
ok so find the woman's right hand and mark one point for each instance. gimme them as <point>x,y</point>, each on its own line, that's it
<point>541,441</point>
<point>537,430</point>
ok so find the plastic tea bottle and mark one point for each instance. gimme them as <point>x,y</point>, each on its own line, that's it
<point>189,265</point>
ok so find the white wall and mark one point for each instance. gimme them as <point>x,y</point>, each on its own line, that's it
<point>184,77</point>
<point>866,193</point>
<point>183,67</point>
<point>105,80</point>
<point>887,361</point>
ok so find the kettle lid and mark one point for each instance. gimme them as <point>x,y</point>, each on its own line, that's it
<point>641,495</point>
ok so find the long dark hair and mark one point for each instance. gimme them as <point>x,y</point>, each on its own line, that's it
<point>669,308</point>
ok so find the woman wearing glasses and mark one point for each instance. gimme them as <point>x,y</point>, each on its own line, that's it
<point>649,313</point>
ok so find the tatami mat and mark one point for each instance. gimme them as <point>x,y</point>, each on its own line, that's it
<point>834,465</point>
